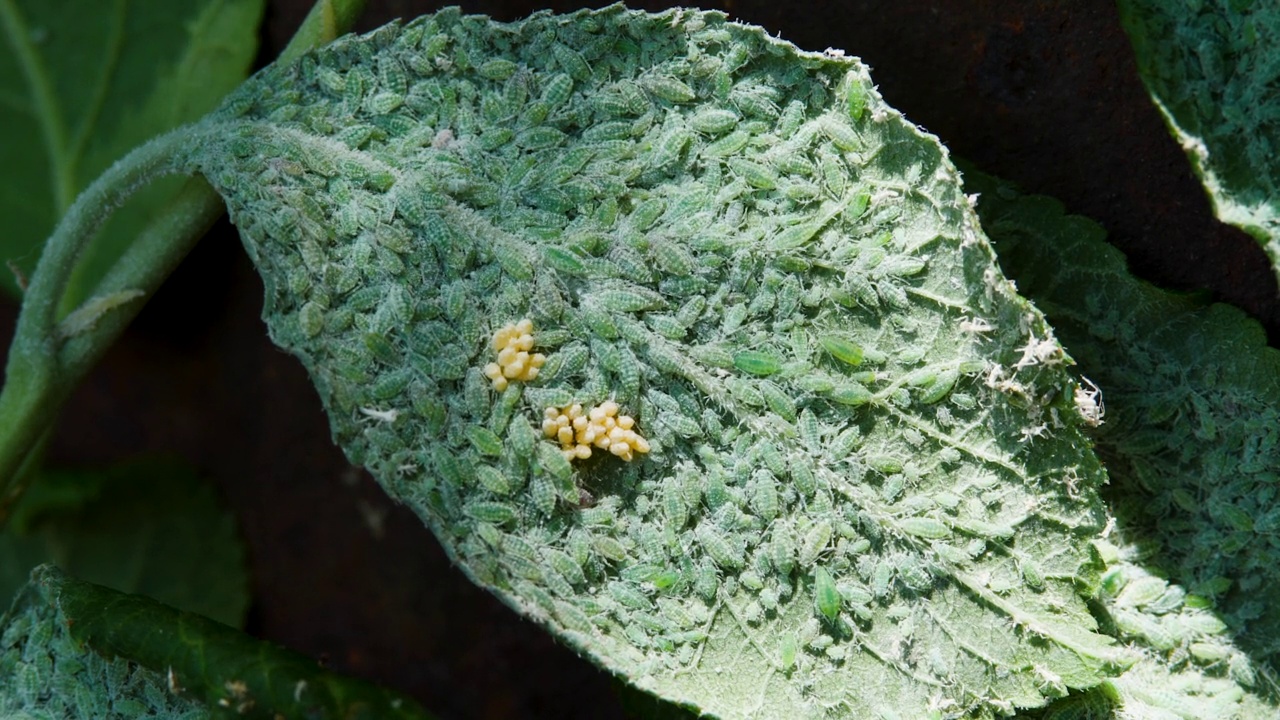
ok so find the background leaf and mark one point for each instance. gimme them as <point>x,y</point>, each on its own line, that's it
<point>1190,442</point>
<point>88,651</point>
<point>686,208</point>
<point>1212,69</point>
<point>82,82</point>
<point>153,528</point>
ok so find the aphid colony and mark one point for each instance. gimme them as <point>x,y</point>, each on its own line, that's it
<point>578,430</point>
<point>789,472</point>
<point>513,342</point>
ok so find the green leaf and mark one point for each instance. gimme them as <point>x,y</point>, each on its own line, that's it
<point>69,648</point>
<point>84,81</point>
<point>153,528</point>
<point>1192,426</point>
<point>1211,68</point>
<point>1191,504</point>
<point>396,191</point>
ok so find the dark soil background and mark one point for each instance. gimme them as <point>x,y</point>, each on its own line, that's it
<point>1044,93</point>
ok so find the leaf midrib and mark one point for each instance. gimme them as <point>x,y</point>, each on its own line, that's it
<point>48,113</point>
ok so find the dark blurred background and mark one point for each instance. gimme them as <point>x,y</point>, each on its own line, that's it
<point>1044,93</point>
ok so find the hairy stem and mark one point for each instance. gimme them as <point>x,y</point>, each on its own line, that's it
<point>46,360</point>
<point>36,382</point>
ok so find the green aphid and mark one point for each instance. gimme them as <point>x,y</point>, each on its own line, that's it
<point>391,385</point>
<point>815,541</point>
<point>713,355</point>
<point>924,527</point>
<point>901,266</point>
<point>524,568</point>
<point>493,480</point>
<point>667,326</point>
<point>572,62</point>
<point>691,311</point>
<point>721,551</point>
<point>490,534</point>
<point>552,460</point>
<point>941,386</point>
<point>983,529</point>
<point>757,175</point>
<point>311,319</point>
<point>671,89</point>
<point>756,362</point>
<point>513,260</point>
<point>627,301</point>
<point>564,566</point>
<point>675,510</point>
<point>673,258</point>
<point>850,393</point>
<point>1184,499</point>
<point>842,349</point>
<point>669,148</point>
<point>778,401</point>
<point>647,213</point>
<point>802,476</point>
<point>706,581</point>
<point>490,512</point>
<point>681,424</point>
<point>772,458</point>
<point>840,134</point>
<point>1238,518</point>
<point>557,90</point>
<point>795,236</point>
<point>885,464</point>
<point>629,595</point>
<point>609,548</point>
<point>764,496</point>
<point>815,383</point>
<point>714,121</point>
<point>826,597</point>
<point>788,648</point>
<point>381,349</point>
<point>496,69</point>
<point>611,130</point>
<point>845,442</point>
<point>733,318</point>
<point>556,583</point>
<point>728,145</point>
<point>1032,574</point>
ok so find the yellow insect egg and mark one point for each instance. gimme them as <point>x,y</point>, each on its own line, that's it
<point>578,430</point>
<point>513,343</point>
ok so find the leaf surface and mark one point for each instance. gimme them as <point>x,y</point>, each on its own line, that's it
<point>1189,438</point>
<point>1211,68</point>
<point>153,528</point>
<point>82,82</point>
<point>892,522</point>
<point>70,648</point>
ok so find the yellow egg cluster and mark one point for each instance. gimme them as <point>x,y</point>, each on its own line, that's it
<point>579,430</point>
<point>513,342</point>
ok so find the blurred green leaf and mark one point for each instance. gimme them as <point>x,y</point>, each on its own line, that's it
<point>84,81</point>
<point>151,528</point>
<point>69,648</point>
<point>1212,69</point>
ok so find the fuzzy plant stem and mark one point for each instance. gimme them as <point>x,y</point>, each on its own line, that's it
<point>47,361</point>
<point>44,364</point>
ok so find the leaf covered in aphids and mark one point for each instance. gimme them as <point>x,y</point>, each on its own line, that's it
<point>765,458</point>
<point>1210,68</point>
